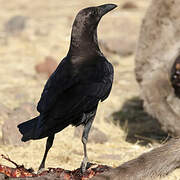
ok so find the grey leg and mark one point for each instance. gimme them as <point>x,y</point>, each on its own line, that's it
<point>49,144</point>
<point>87,128</point>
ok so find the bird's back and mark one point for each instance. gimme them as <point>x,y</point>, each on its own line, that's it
<point>94,84</point>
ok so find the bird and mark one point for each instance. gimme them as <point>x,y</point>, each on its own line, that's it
<point>72,93</point>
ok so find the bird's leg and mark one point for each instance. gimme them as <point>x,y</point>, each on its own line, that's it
<point>49,144</point>
<point>87,128</point>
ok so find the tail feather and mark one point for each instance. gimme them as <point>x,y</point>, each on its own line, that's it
<point>27,129</point>
<point>39,127</point>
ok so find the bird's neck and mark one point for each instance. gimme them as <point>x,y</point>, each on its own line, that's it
<point>84,44</point>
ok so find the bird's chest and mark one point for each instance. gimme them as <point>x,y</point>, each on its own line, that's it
<point>91,74</point>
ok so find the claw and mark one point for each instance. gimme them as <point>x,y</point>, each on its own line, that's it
<point>40,170</point>
<point>84,164</point>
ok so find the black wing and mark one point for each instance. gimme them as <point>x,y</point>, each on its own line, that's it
<point>80,99</point>
<point>72,91</point>
<point>71,100</point>
<point>102,88</point>
<point>62,79</point>
<point>84,96</point>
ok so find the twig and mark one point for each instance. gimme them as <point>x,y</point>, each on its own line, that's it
<point>8,159</point>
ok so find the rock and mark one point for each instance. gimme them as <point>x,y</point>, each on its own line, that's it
<point>119,45</point>
<point>129,5</point>
<point>47,66</point>
<point>95,135</point>
<point>15,25</point>
<point>124,42</point>
<point>10,132</point>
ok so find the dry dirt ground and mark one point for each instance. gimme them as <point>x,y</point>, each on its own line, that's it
<point>47,32</point>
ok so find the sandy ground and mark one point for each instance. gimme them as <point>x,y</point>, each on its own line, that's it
<point>48,33</point>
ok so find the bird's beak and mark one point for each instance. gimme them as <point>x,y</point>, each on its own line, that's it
<point>103,9</point>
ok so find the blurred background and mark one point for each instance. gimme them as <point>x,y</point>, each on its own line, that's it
<point>34,37</point>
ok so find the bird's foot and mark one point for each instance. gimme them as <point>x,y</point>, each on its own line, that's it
<point>84,165</point>
<point>40,170</point>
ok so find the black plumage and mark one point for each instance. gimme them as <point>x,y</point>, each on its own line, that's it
<point>72,93</point>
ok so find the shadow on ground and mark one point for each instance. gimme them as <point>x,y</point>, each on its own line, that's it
<point>138,124</point>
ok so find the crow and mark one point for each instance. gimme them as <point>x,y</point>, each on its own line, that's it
<point>72,93</point>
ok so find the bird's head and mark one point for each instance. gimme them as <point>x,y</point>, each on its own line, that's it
<point>88,18</point>
<point>84,28</point>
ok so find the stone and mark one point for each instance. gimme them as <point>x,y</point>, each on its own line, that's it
<point>119,45</point>
<point>15,24</point>
<point>124,42</point>
<point>129,5</point>
<point>47,67</point>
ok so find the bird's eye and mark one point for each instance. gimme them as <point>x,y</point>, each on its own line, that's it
<point>94,14</point>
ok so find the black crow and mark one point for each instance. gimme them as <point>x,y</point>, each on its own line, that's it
<point>72,93</point>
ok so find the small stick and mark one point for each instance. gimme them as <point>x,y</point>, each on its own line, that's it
<point>8,159</point>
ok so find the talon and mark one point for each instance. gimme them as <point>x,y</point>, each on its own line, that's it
<point>84,164</point>
<point>40,170</point>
